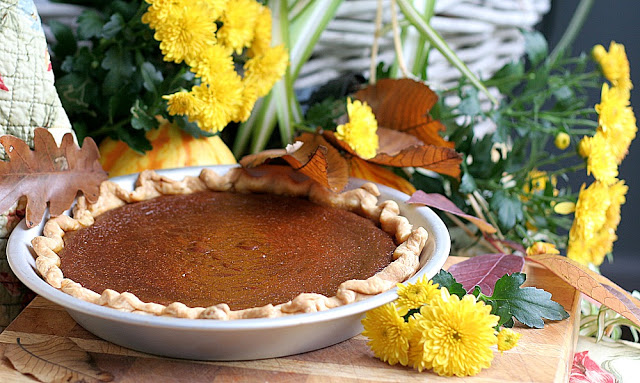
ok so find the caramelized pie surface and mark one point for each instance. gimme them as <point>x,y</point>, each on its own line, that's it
<point>205,248</point>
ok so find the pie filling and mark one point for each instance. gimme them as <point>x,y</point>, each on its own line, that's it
<point>205,248</point>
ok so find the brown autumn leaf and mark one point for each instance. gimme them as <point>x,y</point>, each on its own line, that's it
<point>400,149</point>
<point>55,360</point>
<point>404,105</point>
<point>48,173</point>
<point>313,156</point>
<point>360,168</point>
<point>440,202</point>
<point>591,284</point>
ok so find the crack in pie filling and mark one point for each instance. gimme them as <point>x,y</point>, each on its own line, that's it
<point>261,242</point>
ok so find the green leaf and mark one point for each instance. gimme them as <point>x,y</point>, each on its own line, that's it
<point>113,26</point>
<point>134,138</point>
<point>141,119</point>
<point>151,76</point>
<point>508,77</point>
<point>467,183</point>
<point>535,46</point>
<point>528,305</point>
<point>191,127</point>
<point>65,44</point>
<point>76,92</point>
<point>509,209</point>
<point>323,114</point>
<point>446,280</point>
<point>470,105</point>
<point>90,24</point>
<point>503,310</point>
<point>118,62</point>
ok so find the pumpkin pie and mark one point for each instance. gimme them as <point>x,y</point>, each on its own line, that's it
<point>263,242</point>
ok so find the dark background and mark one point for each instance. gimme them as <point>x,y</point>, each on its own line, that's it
<point>617,20</point>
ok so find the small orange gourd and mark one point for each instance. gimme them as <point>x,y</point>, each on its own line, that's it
<point>172,148</point>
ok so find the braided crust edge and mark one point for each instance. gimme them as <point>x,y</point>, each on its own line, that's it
<point>276,180</point>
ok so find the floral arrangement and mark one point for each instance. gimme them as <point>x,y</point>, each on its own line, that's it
<point>509,181</point>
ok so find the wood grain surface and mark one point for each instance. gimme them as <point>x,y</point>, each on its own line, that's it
<point>543,355</point>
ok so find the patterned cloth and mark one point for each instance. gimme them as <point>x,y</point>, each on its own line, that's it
<point>28,99</point>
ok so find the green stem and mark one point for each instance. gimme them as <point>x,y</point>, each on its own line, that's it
<point>575,25</point>
<point>421,24</point>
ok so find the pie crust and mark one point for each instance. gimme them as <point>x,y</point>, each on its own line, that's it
<point>278,180</point>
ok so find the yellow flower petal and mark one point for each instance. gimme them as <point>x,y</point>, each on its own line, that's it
<point>360,132</point>
<point>507,339</point>
<point>412,296</point>
<point>542,248</point>
<point>388,334</point>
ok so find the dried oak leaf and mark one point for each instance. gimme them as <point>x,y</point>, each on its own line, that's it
<point>312,156</point>
<point>400,149</point>
<point>484,270</point>
<point>404,105</point>
<point>591,284</point>
<point>48,173</point>
<point>55,360</point>
<point>440,202</point>
<point>360,168</point>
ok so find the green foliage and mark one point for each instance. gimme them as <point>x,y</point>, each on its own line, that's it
<point>541,98</point>
<point>446,280</point>
<point>111,75</point>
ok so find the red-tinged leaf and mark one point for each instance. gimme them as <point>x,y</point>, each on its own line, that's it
<point>312,156</point>
<point>48,174</point>
<point>404,105</point>
<point>360,168</point>
<point>484,270</point>
<point>592,284</point>
<point>440,202</point>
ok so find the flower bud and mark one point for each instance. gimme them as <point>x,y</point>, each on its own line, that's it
<point>562,141</point>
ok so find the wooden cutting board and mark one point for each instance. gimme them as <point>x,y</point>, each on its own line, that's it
<point>543,355</point>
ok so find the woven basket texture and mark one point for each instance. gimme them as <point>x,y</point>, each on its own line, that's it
<point>485,34</point>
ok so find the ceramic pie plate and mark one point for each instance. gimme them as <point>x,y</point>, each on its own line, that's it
<point>243,339</point>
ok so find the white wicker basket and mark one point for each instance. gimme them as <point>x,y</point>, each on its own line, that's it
<point>483,33</point>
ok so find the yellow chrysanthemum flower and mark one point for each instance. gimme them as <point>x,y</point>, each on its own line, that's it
<point>616,120</point>
<point>617,198</point>
<point>263,71</point>
<point>181,103</point>
<point>159,10</point>
<point>602,162</point>
<point>614,64</point>
<point>601,245</point>
<point>249,98</point>
<point>185,33</point>
<point>453,336</point>
<point>590,221</point>
<point>360,132</point>
<point>584,147</point>
<point>507,339</point>
<point>542,248</point>
<point>219,101</point>
<point>239,23</point>
<point>262,36</point>
<point>212,61</point>
<point>414,295</point>
<point>388,334</point>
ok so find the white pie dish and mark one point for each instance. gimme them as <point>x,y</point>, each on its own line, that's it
<point>226,340</point>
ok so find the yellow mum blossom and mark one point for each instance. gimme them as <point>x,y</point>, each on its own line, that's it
<point>453,336</point>
<point>388,334</point>
<point>159,10</point>
<point>360,132</point>
<point>262,36</point>
<point>263,71</point>
<point>602,162</point>
<point>414,295</point>
<point>591,208</point>
<point>562,140</point>
<point>238,24</point>
<point>507,339</point>
<point>542,248</point>
<point>614,64</point>
<point>219,101</point>
<point>249,98</point>
<point>185,33</point>
<point>601,245</point>
<point>212,61</point>
<point>617,198</point>
<point>616,119</point>
<point>181,103</point>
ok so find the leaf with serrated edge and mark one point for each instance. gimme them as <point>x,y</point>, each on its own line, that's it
<point>446,280</point>
<point>592,284</point>
<point>440,202</point>
<point>484,270</point>
<point>48,173</point>
<point>528,305</point>
<point>55,360</point>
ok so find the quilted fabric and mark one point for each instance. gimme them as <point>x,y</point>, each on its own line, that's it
<point>28,100</point>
